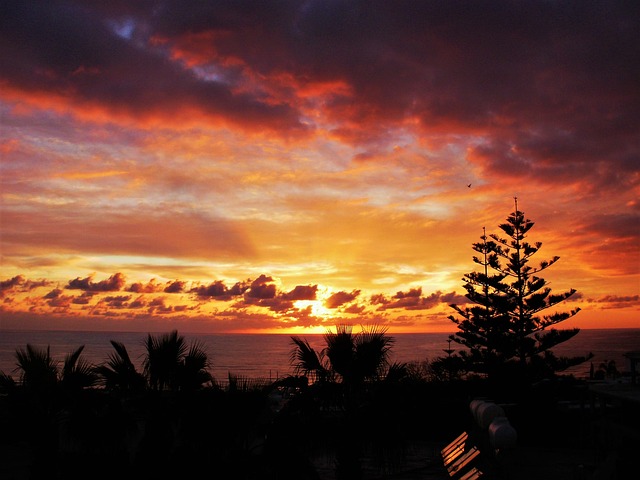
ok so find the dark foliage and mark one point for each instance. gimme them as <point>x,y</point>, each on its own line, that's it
<point>505,332</point>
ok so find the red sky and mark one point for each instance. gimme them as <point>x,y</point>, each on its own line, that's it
<point>286,166</point>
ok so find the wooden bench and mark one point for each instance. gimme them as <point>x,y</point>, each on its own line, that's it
<point>474,474</point>
<point>459,457</point>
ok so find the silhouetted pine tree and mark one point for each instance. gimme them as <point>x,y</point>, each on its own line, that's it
<point>504,330</point>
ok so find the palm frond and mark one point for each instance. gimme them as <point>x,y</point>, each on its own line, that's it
<point>163,356</point>
<point>340,350</point>
<point>119,373</point>
<point>7,382</point>
<point>193,368</point>
<point>71,359</point>
<point>304,358</point>
<point>78,372</point>
<point>121,353</point>
<point>36,366</point>
<point>372,351</point>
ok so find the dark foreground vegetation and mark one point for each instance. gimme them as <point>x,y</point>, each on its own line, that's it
<point>344,413</point>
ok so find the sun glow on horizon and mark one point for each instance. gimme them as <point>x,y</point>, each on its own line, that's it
<point>255,190</point>
<point>315,307</point>
<point>294,330</point>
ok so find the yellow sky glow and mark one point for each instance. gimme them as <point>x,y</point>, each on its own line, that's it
<point>214,178</point>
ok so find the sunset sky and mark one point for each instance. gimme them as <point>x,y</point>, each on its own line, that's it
<point>284,166</point>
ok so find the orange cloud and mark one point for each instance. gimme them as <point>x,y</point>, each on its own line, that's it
<point>112,284</point>
<point>204,144</point>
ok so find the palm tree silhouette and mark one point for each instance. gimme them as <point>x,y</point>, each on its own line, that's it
<point>359,357</point>
<point>345,373</point>
<point>45,398</point>
<point>37,369</point>
<point>119,373</point>
<point>170,364</point>
<point>307,361</point>
<point>350,358</point>
<point>77,373</point>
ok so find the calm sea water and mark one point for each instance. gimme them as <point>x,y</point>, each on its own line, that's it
<point>268,356</point>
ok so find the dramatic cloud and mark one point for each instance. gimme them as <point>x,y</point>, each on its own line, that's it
<point>66,51</point>
<point>84,299</point>
<point>55,293</point>
<point>118,301</point>
<point>340,298</point>
<point>262,288</point>
<point>12,282</point>
<point>353,151</point>
<point>220,291</point>
<point>112,284</point>
<point>150,287</point>
<point>215,289</point>
<point>175,287</point>
<point>20,283</point>
<point>302,292</point>
<point>414,300</point>
<point>616,302</point>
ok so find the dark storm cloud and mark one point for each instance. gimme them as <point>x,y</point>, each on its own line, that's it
<point>413,300</point>
<point>215,289</point>
<point>451,298</point>
<point>567,70</point>
<point>262,288</point>
<point>21,283</point>
<point>83,299</point>
<point>12,282</point>
<point>412,293</point>
<point>56,292</point>
<point>619,301</point>
<point>220,291</point>
<point>340,298</point>
<point>69,49</point>
<point>158,306</point>
<point>151,286</point>
<point>56,299</point>
<point>114,283</point>
<point>302,292</point>
<point>264,293</point>
<point>556,71</point>
<point>138,303</point>
<point>117,301</point>
<point>275,304</point>
<point>177,286</point>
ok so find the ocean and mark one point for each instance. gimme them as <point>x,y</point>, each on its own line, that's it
<point>268,356</point>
